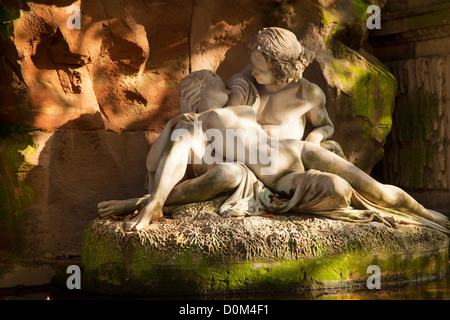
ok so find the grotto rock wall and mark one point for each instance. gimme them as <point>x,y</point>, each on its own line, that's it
<point>414,42</point>
<point>80,107</point>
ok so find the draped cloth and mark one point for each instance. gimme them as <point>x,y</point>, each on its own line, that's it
<point>311,193</point>
<point>313,196</point>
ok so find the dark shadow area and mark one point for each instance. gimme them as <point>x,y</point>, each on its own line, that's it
<point>14,195</point>
<point>236,59</point>
<point>76,171</point>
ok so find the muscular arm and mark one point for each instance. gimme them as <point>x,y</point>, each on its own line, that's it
<point>323,128</point>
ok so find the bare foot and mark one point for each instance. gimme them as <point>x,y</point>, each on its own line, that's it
<point>142,220</point>
<point>116,207</point>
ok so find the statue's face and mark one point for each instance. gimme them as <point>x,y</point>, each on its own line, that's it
<point>263,71</point>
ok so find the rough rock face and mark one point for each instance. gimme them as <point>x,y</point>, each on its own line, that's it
<point>197,251</point>
<point>85,103</point>
<point>98,70</point>
<point>121,69</point>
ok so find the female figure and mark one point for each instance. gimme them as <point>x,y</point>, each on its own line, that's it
<point>199,91</point>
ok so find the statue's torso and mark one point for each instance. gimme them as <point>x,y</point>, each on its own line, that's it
<point>284,110</point>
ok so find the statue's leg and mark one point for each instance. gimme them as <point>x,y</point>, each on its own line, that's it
<point>315,157</point>
<point>220,178</point>
<point>128,206</point>
<point>170,170</point>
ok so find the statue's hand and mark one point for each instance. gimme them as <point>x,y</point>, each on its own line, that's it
<point>333,146</point>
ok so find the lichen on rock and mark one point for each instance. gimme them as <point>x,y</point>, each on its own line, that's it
<point>196,251</point>
<point>361,87</point>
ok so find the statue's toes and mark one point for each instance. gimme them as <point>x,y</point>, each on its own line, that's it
<point>447,225</point>
<point>101,205</point>
<point>141,225</point>
<point>129,225</point>
<point>102,213</point>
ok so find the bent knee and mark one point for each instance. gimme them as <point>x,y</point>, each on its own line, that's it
<point>220,119</point>
<point>337,185</point>
<point>392,195</point>
<point>229,174</point>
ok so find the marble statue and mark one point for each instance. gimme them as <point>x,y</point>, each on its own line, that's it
<point>266,107</point>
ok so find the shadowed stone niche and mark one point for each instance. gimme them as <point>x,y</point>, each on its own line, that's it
<point>414,43</point>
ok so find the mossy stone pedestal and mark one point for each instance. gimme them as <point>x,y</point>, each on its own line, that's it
<point>196,252</point>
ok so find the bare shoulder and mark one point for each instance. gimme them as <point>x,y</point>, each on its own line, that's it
<point>310,91</point>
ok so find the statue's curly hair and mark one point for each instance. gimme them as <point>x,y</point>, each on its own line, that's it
<point>281,47</point>
<point>190,88</point>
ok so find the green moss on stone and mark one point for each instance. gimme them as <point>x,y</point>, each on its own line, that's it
<point>124,263</point>
<point>330,16</point>
<point>368,86</point>
<point>185,279</point>
<point>370,89</point>
<point>14,193</point>
<point>7,18</point>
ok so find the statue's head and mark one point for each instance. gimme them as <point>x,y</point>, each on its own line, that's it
<point>202,90</point>
<point>286,58</point>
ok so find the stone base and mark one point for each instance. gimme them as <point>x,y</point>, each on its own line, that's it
<point>196,251</point>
